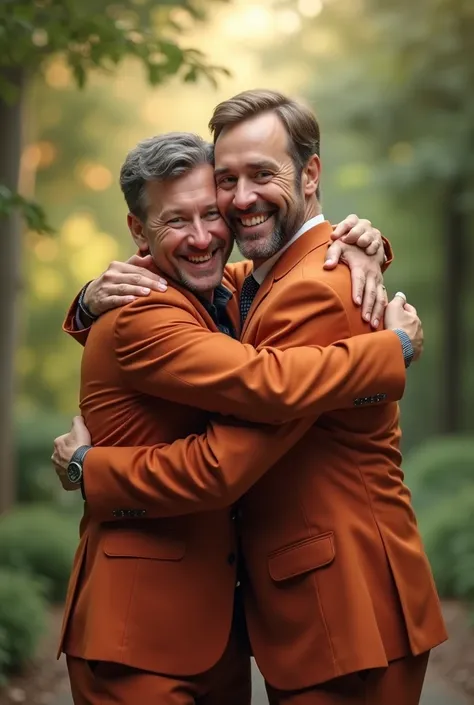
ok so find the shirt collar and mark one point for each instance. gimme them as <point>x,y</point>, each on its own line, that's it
<point>221,298</point>
<point>261,272</point>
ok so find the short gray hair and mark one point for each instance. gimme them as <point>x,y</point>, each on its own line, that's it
<point>158,158</point>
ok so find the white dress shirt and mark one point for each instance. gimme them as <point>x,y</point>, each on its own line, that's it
<point>261,272</point>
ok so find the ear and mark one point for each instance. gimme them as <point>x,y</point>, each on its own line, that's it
<point>311,176</point>
<point>137,230</point>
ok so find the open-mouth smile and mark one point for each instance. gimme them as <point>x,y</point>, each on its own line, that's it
<point>201,259</point>
<point>250,221</point>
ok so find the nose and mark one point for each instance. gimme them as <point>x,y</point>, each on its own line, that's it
<point>244,196</point>
<point>200,236</point>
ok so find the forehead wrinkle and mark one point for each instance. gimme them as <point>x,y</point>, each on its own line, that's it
<point>188,207</point>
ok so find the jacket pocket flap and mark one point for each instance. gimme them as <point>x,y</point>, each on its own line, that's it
<point>138,544</point>
<point>301,557</point>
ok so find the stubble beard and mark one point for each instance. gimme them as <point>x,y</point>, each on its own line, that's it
<point>254,249</point>
<point>193,286</point>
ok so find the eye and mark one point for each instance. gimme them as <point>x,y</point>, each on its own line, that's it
<point>213,214</point>
<point>263,175</point>
<point>226,181</point>
<point>175,221</point>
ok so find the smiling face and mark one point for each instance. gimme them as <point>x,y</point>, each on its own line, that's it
<point>184,232</point>
<point>260,194</point>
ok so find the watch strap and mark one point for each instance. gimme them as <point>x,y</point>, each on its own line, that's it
<point>84,309</point>
<point>79,455</point>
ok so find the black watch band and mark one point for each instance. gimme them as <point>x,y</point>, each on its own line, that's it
<point>76,466</point>
<point>85,310</point>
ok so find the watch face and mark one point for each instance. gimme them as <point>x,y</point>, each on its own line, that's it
<point>74,472</point>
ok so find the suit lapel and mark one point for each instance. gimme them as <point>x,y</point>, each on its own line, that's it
<point>310,240</point>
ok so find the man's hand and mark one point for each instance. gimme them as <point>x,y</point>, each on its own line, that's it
<point>121,283</point>
<point>401,315</point>
<point>65,446</point>
<point>355,231</point>
<point>360,246</point>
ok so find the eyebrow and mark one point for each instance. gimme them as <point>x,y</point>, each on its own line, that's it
<point>260,164</point>
<point>169,214</point>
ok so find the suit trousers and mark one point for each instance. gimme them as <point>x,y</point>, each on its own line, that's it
<point>400,683</point>
<point>104,683</point>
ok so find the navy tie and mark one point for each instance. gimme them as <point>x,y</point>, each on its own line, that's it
<point>247,295</point>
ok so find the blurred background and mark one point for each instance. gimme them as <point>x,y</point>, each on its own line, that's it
<point>392,83</point>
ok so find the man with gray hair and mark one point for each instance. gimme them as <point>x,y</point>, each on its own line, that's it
<point>153,613</point>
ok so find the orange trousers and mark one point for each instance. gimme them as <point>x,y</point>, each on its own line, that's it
<point>103,683</point>
<point>400,683</point>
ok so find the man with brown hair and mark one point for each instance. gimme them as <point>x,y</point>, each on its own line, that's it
<point>328,537</point>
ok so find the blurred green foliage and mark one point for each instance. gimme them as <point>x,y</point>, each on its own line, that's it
<point>440,475</point>
<point>22,620</point>
<point>40,542</point>
<point>36,480</point>
<point>98,34</point>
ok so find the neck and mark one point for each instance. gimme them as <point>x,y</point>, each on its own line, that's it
<point>311,210</point>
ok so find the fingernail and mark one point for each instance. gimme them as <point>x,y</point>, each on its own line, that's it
<point>162,287</point>
<point>358,300</point>
<point>129,299</point>
<point>329,261</point>
<point>367,317</point>
<point>145,290</point>
<point>376,323</point>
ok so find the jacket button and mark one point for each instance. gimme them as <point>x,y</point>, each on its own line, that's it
<point>231,558</point>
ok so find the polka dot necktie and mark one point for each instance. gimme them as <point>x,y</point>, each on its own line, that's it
<point>247,295</point>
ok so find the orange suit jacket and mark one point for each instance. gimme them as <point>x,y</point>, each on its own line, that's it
<point>154,575</point>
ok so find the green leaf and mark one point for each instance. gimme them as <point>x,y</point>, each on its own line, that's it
<point>31,211</point>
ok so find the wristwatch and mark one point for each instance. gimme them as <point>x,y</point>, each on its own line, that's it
<point>75,468</point>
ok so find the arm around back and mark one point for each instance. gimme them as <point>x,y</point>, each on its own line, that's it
<point>165,349</point>
<point>212,470</point>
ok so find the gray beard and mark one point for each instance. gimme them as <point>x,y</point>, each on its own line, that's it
<point>252,249</point>
<point>281,235</point>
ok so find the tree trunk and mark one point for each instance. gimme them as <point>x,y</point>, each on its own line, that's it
<point>456,230</point>
<point>10,235</point>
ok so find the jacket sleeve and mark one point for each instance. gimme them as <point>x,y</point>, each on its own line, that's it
<point>212,470</point>
<point>70,326</point>
<point>164,351</point>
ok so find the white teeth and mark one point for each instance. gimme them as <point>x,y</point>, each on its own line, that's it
<point>255,220</point>
<point>203,258</point>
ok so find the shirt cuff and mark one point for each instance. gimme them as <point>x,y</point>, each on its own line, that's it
<point>407,347</point>
<point>78,321</point>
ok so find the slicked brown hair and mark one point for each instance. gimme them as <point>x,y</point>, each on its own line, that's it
<point>299,122</point>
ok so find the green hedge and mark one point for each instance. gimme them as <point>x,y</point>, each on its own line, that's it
<point>23,615</point>
<point>40,542</point>
<point>34,436</point>
<point>439,468</point>
<point>440,474</point>
<point>449,540</point>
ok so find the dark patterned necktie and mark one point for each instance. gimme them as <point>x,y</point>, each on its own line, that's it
<point>247,295</point>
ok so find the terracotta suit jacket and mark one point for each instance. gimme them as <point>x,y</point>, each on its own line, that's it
<point>154,575</point>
